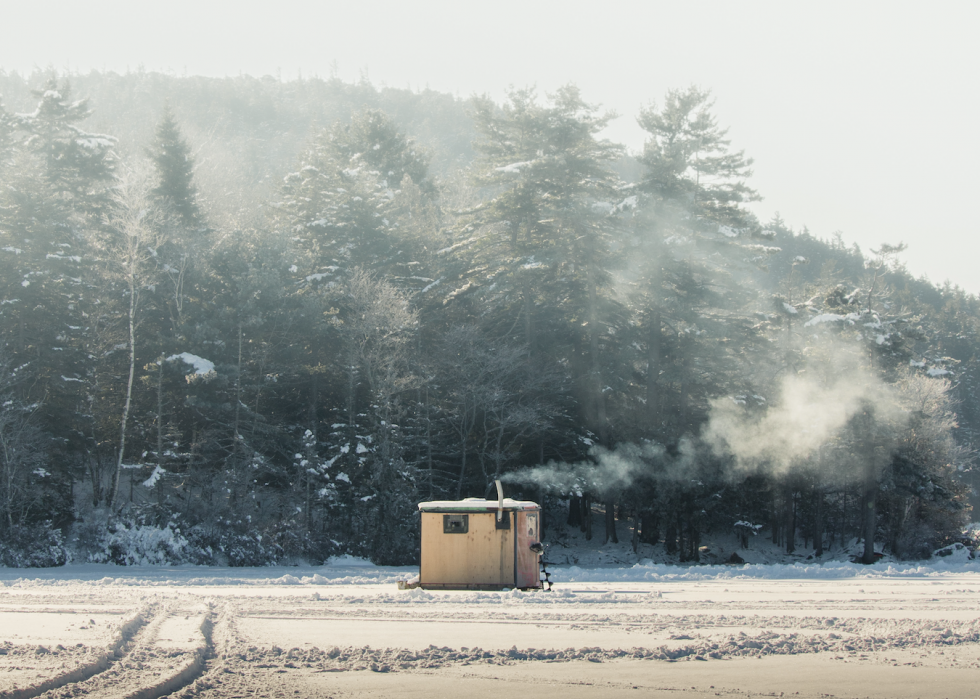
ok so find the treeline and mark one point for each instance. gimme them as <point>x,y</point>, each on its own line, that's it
<point>281,368</point>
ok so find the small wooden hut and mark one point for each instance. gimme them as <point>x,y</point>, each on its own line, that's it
<point>478,544</point>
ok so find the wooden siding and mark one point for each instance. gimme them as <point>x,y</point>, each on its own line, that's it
<point>481,558</point>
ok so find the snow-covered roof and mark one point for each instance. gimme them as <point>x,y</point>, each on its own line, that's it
<point>475,505</point>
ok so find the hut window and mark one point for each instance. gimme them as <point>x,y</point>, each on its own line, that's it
<point>455,524</point>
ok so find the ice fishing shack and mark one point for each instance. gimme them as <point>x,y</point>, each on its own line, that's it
<point>478,544</point>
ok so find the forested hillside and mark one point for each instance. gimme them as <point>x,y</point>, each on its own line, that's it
<point>248,322</point>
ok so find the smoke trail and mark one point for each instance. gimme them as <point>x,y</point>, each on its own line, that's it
<point>609,471</point>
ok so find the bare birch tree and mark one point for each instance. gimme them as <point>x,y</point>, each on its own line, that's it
<point>130,251</point>
<point>378,330</point>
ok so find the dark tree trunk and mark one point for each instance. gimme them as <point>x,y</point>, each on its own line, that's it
<point>528,314</point>
<point>587,517</point>
<point>611,522</point>
<point>869,516</point>
<point>635,537</point>
<point>777,520</point>
<point>818,524</point>
<point>790,522</point>
<point>649,529</point>
<point>694,539</point>
<point>541,519</point>
<point>654,362</point>
<point>575,511</point>
<point>670,537</point>
<point>681,541</point>
<point>685,401</point>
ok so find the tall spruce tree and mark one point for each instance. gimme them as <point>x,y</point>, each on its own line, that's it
<point>56,198</point>
<point>175,169</point>
<point>540,251</point>
<point>688,160</point>
<point>542,254</point>
<point>692,254</point>
<point>695,245</point>
<point>372,138</point>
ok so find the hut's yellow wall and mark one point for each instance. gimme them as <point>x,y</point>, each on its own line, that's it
<point>484,556</point>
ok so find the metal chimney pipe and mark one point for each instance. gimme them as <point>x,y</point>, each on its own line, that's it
<point>500,501</point>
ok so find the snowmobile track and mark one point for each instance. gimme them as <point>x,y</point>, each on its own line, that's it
<point>189,673</point>
<point>220,673</point>
<point>135,666</point>
<point>120,646</point>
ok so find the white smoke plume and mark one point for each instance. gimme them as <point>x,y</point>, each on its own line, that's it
<point>808,414</point>
<point>810,411</point>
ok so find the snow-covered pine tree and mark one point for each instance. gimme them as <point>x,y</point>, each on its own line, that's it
<point>690,262</point>
<point>539,251</point>
<point>693,190</point>
<point>57,195</point>
<point>688,160</point>
<point>372,138</point>
<point>175,171</point>
<point>376,330</point>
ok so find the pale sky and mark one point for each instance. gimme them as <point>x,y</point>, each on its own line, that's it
<point>861,116</point>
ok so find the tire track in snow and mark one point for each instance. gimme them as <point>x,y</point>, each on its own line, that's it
<point>120,646</point>
<point>225,675</point>
<point>189,672</point>
<point>230,674</point>
<point>147,669</point>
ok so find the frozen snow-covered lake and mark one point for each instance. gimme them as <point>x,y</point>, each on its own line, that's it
<point>838,629</point>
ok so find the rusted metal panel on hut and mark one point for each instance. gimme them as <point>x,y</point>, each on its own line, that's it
<point>466,545</point>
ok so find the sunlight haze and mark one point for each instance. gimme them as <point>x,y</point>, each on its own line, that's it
<point>859,116</point>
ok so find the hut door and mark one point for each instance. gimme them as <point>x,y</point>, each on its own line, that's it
<point>527,560</point>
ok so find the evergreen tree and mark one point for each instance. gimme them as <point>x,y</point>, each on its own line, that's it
<point>56,199</point>
<point>175,170</point>
<point>688,160</point>
<point>922,504</point>
<point>373,139</point>
<point>344,207</point>
<point>28,490</point>
<point>7,126</point>
<point>541,255</point>
<point>693,256</point>
<point>691,271</point>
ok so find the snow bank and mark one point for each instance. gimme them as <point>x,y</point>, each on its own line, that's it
<point>832,570</point>
<point>343,570</point>
<point>348,570</point>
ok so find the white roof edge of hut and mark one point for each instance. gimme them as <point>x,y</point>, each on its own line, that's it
<point>476,505</point>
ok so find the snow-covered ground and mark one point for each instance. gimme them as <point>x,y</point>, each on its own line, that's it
<point>842,629</point>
